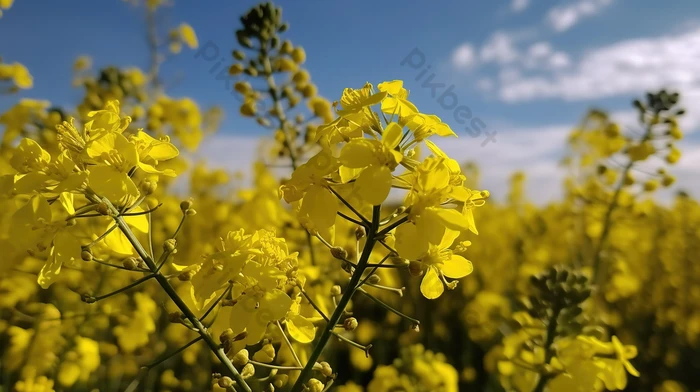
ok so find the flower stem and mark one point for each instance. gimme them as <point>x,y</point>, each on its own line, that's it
<point>342,304</point>
<point>170,291</point>
<point>549,352</point>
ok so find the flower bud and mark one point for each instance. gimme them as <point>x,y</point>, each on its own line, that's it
<point>88,299</point>
<point>315,385</point>
<point>170,245</point>
<point>130,263</point>
<point>225,382</point>
<point>102,208</point>
<point>148,186</point>
<point>235,69</point>
<point>280,380</point>
<point>266,354</point>
<point>175,317</point>
<point>651,185</point>
<point>360,232</point>
<point>336,290</point>
<point>286,47</point>
<point>326,369</point>
<point>339,253</point>
<point>186,205</point>
<point>299,55</point>
<point>248,109</point>
<point>86,255</point>
<point>350,324</point>
<point>373,279</point>
<point>191,212</point>
<point>226,335</point>
<point>238,55</point>
<point>248,371</point>
<point>241,358</point>
<point>186,276</point>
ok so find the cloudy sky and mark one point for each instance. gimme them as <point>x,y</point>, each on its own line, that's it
<point>526,69</point>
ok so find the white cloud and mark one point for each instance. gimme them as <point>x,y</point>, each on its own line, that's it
<point>464,56</point>
<point>565,17</point>
<point>500,48</point>
<point>519,5</point>
<point>624,68</point>
<point>541,55</point>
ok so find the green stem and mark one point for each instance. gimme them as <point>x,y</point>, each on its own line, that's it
<point>342,304</point>
<point>607,221</point>
<point>167,356</point>
<point>121,290</point>
<point>170,291</point>
<point>549,352</point>
<point>390,308</point>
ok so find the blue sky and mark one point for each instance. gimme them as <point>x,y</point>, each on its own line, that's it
<point>527,69</point>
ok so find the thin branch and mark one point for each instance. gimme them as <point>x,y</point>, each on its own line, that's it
<point>342,200</point>
<point>289,344</point>
<point>313,304</point>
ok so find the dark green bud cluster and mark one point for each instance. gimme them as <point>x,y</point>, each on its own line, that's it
<point>559,291</point>
<point>263,22</point>
<point>661,101</point>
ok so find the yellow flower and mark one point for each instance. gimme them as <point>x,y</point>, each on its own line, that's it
<point>397,101</point>
<point>151,151</point>
<point>613,369</point>
<point>440,262</point>
<point>18,73</point>
<point>357,100</point>
<point>107,119</point>
<point>29,157</point>
<point>115,157</point>
<point>318,204</point>
<point>36,228</point>
<point>188,36</point>
<point>372,162</point>
<point>254,310</point>
<point>426,125</point>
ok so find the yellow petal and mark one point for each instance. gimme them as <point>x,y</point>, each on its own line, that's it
<point>49,271</point>
<point>392,87</point>
<point>137,222</point>
<point>109,182</point>
<point>409,243</point>
<point>358,153</point>
<point>321,206</point>
<point>452,219</point>
<point>374,184</point>
<point>457,267</point>
<point>431,287</point>
<point>392,135</point>
<point>301,329</point>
